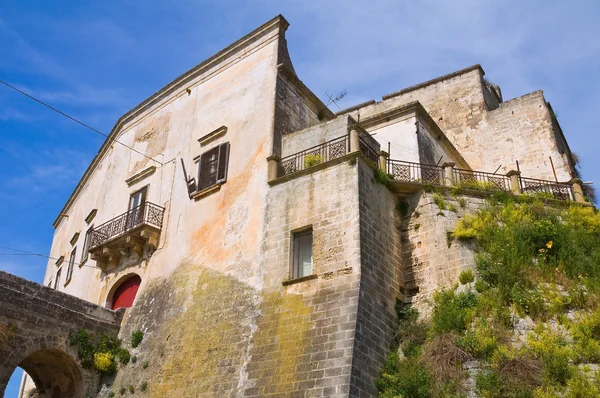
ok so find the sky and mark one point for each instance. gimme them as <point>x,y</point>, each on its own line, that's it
<point>95,60</point>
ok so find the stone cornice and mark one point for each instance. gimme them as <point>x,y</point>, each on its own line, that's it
<point>278,23</point>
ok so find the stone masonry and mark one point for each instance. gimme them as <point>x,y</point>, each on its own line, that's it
<point>35,322</point>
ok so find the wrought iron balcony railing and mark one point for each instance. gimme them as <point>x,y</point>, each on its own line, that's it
<point>427,174</point>
<point>322,153</point>
<point>557,190</point>
<point>147,214</point>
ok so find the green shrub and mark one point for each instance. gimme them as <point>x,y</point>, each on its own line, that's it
<point>462,202</point>
<point>136,338</point>
<point>579,386</point>
<point>145,365</point>
<point>312,159</point>
<point>123,356</point>
<point>488,384</point>
<point>100,354</point>
<point>554,352</point>
<point>452,311</point>
<point>466,276</point>
<point>440,201</point>
<point>382,177</point>
<point>144,386</point>
<point>481,286</point>
<point>131,389</point>
<point>452,207</point>
<point>406,378</point>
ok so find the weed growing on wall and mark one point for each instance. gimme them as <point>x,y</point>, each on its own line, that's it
<point>537,266</point>
<point>312,160</point>
<point>103,354</point>
<point>136,338</point>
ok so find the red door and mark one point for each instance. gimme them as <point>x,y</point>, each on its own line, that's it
<point>125,293</point>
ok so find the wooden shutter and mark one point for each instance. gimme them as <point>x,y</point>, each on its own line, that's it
<point>223,162</point>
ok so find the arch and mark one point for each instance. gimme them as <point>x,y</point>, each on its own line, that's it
<point>123,292</point>
<point>55,374</point>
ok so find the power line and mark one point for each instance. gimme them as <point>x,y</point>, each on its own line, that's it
<point>75,120</point>
<point>27,253</point>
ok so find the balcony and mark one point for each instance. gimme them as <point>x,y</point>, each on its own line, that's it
<point>126,233</point>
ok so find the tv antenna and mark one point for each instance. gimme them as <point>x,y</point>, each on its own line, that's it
<point>334,100</point>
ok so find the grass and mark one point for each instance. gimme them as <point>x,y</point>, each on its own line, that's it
<point>532,261</point>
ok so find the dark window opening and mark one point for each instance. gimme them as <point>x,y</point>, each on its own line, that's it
<point>213,166</point>
<point>86,243</point>
<point>302,263</point>
<point>57,280</point>
<point>71,263</point>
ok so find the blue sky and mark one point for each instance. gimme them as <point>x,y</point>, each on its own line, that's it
<point>97,59</point>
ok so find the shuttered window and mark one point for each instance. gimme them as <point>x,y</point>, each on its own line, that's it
<point>213,166</point>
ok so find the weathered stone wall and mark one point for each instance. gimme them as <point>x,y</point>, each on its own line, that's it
<point>314,135</point>
<point>293,111</point>
<point>431,260</point>
<point>380,281</point>
<point>35,322</point>
<point>304,338</point>
<point>488,134</point>
<point>522,129</point>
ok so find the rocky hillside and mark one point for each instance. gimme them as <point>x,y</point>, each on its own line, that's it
<point>524,323</point>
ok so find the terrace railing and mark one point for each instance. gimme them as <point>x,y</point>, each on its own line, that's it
<point>145,214</point>
<point>558,190</point>
<point>427,174</point>
<point>415,172</point>
<point>367,150</point>
<point>481,180</point>
<point>325,152</point>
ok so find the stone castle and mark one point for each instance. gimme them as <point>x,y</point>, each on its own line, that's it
<point>260,241</point>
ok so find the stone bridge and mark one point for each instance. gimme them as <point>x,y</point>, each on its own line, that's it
<point>35,322</point>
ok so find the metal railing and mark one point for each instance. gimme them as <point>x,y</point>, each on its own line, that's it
<point>325,152</point>
<point>145,214</point>
<point>415,172</point>
<point>481,180</point>
<point>371,154</point>
<point>558,190</point>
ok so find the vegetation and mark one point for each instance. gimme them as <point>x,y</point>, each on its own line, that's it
<point>382,177</point>
<point>144,386</point>
<point>312,159</point>
<point>102,354</point>
<point>136,338</point>
<point>466,276</point>
<point>536,265</point>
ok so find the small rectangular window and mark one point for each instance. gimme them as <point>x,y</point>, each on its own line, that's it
<point>302,254</point>
<point>86,243</point>
<point>57,280</point>
<point>213,166</point>
<point>71,264</point>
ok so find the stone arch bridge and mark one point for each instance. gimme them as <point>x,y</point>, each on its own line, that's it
<point>35,322</point>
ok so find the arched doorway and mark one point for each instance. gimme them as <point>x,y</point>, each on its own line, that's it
<point>125,293</point>
<point>55,374</point>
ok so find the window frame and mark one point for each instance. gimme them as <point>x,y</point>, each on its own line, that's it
<point>86,245</point>
<point>297,269</point>
<point>57,279</point>
<point>219,176</point>
<point>71,265</point>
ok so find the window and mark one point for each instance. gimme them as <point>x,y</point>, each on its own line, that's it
<point>137,199</point>
<point>302,263</point>
<point>50,283</point>
<point>135,215</point>
<point>86,244</point>
<point>71,263</point>
<point>213,166</point>
<point>57,280</point>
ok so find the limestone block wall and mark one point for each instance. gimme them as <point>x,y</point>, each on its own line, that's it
<point>523,129</point>
<point>431,260</point>
<point>380,281</point>
<point>303,343</point>
<point>487,133</point>
<point>314,135</point>
<point>35,322</point>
